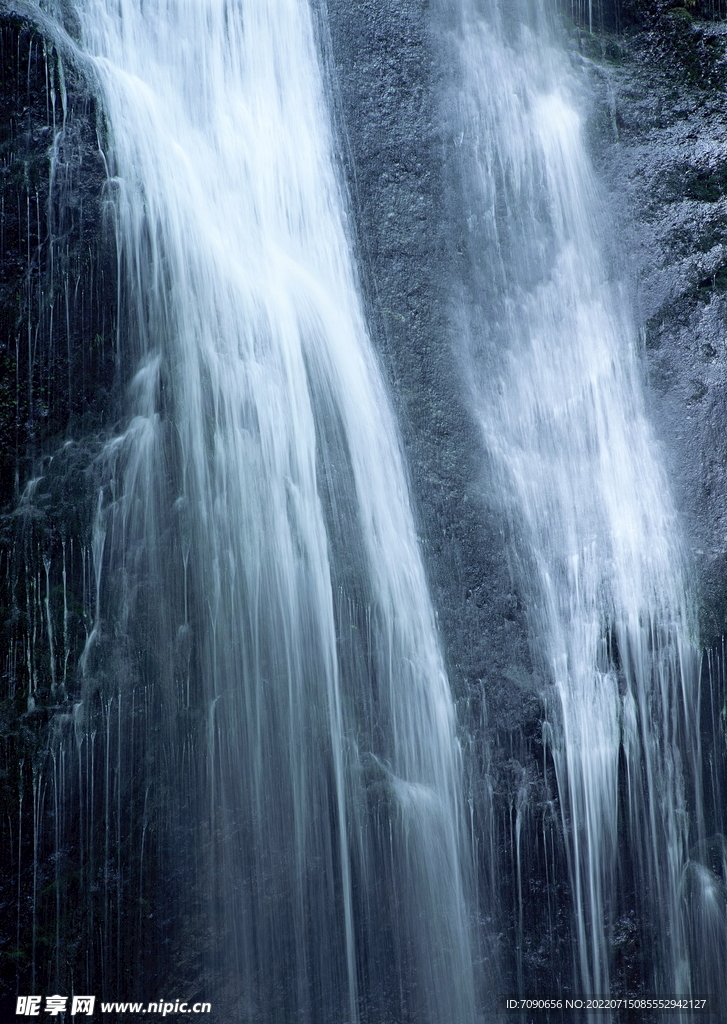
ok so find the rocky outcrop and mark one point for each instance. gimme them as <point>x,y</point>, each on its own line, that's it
<point>660,142</point>
<point>390,59</point>
<point>57,368</point>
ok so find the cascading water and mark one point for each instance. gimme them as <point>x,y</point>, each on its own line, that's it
<point>558,395</point>
<point>249,791</point>
<point>265,717</point>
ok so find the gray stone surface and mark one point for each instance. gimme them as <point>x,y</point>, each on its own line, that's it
<point>388,58</point>
<point>659,139</point>
<point>385,63</point>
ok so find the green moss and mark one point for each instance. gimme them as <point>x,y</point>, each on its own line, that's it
<point>701,184</point>
<point>680,16</point>
<point>715,283</point>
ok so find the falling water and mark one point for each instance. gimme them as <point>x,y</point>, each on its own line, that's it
<point>262,681</point>
<point>558,395</point>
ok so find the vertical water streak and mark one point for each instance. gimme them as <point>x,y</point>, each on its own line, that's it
<point>558,395</point>
<point>257,571</point>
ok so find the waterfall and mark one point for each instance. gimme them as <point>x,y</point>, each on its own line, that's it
<point>233,771</point>
<point>553,359</point>
<point>265,739</point>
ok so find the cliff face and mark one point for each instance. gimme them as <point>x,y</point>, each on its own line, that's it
<point>57,367</point>
<point>660,141</point>
<point>390,61</point>
<point>656,127</point>
<point>57,347</point>
<point>57,297</point>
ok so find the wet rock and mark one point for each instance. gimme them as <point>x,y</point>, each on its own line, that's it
<point>660,143</point>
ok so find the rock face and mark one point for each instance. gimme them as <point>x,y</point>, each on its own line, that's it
<point>389,58</point>
<point>57,297</point>
<point>657,132</point>
<point>57,367</point>
<point>660,142</point>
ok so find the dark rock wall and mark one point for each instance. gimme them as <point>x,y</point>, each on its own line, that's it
<point>659,138</point>
<point>661,142</point>
<point>57,368</point>
<point>57,294</point>
<point>89,896</point>
<point>391,71</point>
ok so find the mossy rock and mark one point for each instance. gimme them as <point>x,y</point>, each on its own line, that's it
<point>680,16</point>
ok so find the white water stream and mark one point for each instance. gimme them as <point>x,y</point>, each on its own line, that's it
<point>258,495</point>
<point>559,397</point>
